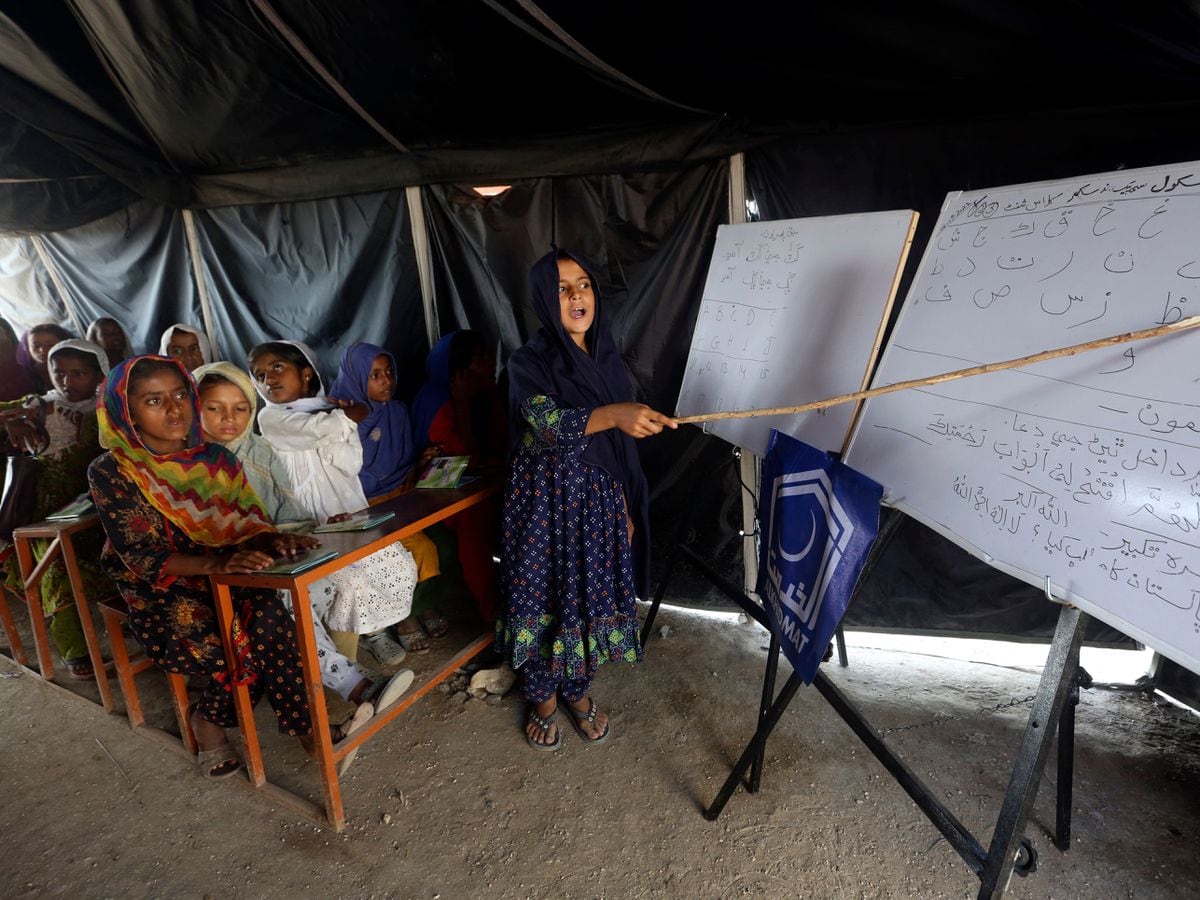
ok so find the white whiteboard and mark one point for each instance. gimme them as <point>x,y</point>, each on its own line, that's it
<point>1085,469</point>
<point>792,312</point>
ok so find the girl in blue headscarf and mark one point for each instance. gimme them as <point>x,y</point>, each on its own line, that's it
<point>365,388</point>
<point>575,543</point>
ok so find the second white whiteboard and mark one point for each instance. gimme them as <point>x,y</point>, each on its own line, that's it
<point>792,312</point>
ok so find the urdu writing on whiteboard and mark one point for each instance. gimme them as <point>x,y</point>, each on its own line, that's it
<point>1085,469</point>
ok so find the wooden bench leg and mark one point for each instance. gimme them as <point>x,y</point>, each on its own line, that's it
<point>33,599</point>
<point>322,731</point>
<point>90,637</point>
<point>116,640</point>
<point>251,750</point>
<point>10,630</point>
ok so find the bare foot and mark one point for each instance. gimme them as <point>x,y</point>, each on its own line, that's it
<point>411,635</point>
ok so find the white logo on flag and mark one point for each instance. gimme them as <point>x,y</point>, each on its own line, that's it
<point>796,497</point>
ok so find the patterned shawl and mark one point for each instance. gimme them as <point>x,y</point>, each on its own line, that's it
<point>202,490</point>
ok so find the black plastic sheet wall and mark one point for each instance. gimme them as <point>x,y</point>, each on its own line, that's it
<point>651,236</point>
<point>924,582</point>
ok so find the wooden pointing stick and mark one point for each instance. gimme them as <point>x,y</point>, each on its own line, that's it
<point>1128,337</point>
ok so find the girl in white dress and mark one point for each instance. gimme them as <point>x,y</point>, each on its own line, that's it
<point>319,447</point>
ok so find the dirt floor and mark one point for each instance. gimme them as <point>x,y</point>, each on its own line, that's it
<point>450,802</point>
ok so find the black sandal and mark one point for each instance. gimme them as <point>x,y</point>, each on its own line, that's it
<point>577,719</point>
<point>543,723</point>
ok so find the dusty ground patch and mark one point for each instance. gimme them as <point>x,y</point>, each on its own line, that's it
<point>474,812</point>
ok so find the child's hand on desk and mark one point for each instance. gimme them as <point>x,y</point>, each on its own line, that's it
<point>277,544</point>
<point>430,453</point>
<point>342,517</point>
<point>241,562</point>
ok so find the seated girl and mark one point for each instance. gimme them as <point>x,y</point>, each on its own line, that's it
<point>15,380</point>
<point>163,543</point>
<point>33,353</point>
<point>227,405</point>
<point>365,390</point>
<point>458,409</point>
<point>186,343</point>
<point>61,427</point>
<point>459,412</point>
<point>107,333</point>
<point>319,447</point>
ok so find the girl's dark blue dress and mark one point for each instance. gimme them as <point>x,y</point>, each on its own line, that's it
<point>567,570</point>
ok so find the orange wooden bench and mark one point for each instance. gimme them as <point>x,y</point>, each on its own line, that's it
<point>115,613</point>
<point>60,534</point>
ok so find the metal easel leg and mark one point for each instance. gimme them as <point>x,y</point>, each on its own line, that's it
<point>764,707</point>
<point>1066,762</point>
<point>1056,685</point>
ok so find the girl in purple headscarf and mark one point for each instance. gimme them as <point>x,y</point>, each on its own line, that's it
<point>575,542</point>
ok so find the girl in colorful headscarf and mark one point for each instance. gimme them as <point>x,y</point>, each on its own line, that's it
<point>176,509</point>
<point>60,427</point>
<point>575,545</point>
<point>320,449</point>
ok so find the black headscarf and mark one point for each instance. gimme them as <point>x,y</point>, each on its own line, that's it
<point>551,363</point>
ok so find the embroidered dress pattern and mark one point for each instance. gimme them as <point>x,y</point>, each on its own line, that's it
<point>567,571</point>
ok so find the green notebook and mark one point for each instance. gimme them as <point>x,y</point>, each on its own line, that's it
<point>299,564</point>
<point>80,506</point>
<point>361,522</point>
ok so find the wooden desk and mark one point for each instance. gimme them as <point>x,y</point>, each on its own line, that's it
<point>60,533</point>
<point>415,510</point>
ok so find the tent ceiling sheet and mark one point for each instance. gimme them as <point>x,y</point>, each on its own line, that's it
<point>208,104</point>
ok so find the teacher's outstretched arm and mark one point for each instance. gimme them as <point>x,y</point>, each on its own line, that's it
<point>635,419</point>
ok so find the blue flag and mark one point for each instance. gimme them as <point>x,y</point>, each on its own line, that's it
<point>819,518</point>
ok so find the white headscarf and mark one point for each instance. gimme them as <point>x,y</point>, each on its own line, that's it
<point>304,404</point>
<point>93,335</point>
<point>201,337</point>
<point>57,396</point>
<point>243,383</point>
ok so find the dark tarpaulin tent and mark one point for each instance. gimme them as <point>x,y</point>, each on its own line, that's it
<point>288,130</point>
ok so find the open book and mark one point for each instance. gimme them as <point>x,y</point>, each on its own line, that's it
<point>444,472</point>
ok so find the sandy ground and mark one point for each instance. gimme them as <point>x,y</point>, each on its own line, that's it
<point>450,802</point>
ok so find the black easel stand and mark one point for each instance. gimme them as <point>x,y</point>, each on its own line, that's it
<point>1053,710</point>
